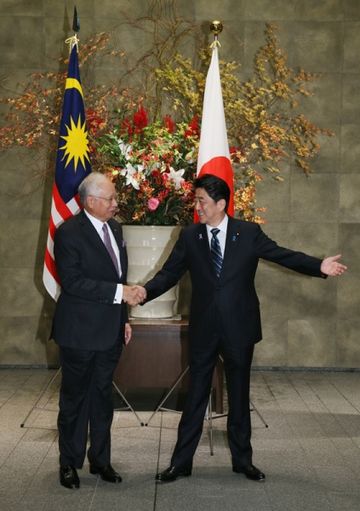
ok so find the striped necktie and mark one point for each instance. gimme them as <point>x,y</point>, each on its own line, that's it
<point>216,251</point>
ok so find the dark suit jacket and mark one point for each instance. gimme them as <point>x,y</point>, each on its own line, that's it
<point>233,294</point>
<point>85,316</point>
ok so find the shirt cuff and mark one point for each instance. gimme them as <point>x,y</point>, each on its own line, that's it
<point>118,294</point>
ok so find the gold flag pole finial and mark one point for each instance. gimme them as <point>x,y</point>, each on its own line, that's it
<point>216,28</point>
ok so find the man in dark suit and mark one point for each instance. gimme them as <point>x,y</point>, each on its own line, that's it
<point>222,254</point>
<point>90,326</point>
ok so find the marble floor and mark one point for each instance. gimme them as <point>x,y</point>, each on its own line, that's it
<point>310,452</point>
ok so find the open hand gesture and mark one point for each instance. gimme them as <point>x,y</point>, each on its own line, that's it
<point>330,266</point>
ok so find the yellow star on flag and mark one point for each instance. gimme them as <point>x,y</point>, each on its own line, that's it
<point>77,144</point>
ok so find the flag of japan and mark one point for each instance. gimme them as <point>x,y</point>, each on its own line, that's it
<point>214,154</point>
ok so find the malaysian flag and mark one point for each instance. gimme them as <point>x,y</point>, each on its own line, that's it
<point>214,155</point>
<point>72,166</point>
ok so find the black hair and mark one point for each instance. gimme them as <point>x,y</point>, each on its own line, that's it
<point>215,187</point>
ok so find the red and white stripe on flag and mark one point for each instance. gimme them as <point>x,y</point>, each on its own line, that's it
<point>60,211</point>
<point>214,154</point>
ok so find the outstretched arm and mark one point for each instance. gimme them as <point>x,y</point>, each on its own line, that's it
<point>303,263</point>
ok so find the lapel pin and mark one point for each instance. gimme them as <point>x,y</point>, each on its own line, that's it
<point>200,236</point>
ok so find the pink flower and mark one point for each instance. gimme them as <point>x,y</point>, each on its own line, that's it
<point>153,204</point>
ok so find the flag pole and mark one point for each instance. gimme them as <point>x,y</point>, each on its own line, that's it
<point>74,40</point>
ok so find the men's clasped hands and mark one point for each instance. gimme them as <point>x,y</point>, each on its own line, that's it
<point>134,295</point>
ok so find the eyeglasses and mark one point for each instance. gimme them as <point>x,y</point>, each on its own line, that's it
<point>108,199</point>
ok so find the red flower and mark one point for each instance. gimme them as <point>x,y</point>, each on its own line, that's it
<point>193,129</point>
<point>194,124</point>
<point>140,119</point>
<point>169,124</point>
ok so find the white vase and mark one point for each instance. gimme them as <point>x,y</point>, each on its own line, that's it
<point>148,247</point>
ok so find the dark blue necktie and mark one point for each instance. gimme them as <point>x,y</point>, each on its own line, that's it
<point>216,251</point>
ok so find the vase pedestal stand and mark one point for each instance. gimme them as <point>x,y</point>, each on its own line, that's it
<point>154,360</point>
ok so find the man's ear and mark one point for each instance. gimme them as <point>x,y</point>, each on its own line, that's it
<point>221,204</point>
<point>89,202</point>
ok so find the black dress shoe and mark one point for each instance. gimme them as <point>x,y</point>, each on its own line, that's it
<point>69,477</point>
<point>251,472</point>
<point>106,473</point>
<point>172,473</point>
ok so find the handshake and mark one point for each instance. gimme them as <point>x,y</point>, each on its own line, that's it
<point>134,295</point>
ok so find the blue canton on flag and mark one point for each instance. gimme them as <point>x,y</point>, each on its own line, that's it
<point>72,162</point>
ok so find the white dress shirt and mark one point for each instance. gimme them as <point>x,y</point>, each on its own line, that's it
<point>98,224</point>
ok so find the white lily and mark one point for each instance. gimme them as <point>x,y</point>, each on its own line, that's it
<point>176,177</point>
<point>132,175</point>
<point>124,148</point>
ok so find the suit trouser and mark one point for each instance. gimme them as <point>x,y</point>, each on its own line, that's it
<point>86,405</point>
<point>237,365</point>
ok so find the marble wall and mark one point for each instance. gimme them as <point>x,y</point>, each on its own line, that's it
<point>307,322</point>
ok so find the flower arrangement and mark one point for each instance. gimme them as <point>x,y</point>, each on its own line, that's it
<point>151,156</point>
<point>153,165</point>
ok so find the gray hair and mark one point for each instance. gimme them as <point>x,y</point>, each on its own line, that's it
<point>91,185</point>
